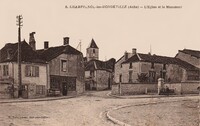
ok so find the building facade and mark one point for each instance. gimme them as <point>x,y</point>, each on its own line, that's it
<point>33,72</point>
<point>98,74</point>
<point>148,68</point>
<point>137,73</point>
<point>66,69</point>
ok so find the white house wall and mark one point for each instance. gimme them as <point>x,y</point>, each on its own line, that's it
<point>41,80</point>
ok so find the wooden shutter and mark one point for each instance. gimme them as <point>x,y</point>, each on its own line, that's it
<point>37,71</point>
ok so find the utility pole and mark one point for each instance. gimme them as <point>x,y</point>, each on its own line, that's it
<point>19,24</point>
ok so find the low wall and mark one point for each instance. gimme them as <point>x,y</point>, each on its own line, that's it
<point>7,92</point>
<point>115,89</point>
<point>4,93</point>
<point>127,89</point>
<point>175,86</point>
<point>184,87</point>
<point>179,88</point>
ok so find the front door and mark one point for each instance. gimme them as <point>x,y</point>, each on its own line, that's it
<point>64,88</point>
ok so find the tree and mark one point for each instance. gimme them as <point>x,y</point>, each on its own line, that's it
<point>142,77</point>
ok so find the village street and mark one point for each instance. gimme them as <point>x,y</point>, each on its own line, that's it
<point>88,110</point>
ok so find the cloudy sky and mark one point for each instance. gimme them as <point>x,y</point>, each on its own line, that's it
<point>114,30</point>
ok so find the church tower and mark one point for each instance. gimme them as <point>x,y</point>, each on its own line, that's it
<point>92,51</point>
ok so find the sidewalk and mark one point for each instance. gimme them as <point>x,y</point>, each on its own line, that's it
<point>18,100</point>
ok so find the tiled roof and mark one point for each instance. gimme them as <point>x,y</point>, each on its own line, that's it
<point>102,65</point>
<point>9,53</point>
<point>159,59</point>
<point>52,52</point>
<point>194,53</point>
<point>93,44</point>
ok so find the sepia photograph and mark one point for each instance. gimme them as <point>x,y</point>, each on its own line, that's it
<point>99,63</point>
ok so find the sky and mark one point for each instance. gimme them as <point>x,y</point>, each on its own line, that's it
<point>115,30</point>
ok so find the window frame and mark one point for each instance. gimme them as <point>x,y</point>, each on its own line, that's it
<point>5,70</point>
<point>62,65</point>
<point>32,71</point>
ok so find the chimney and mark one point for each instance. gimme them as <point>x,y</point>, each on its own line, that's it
<point>134,51</point>
<point>46,44</point>
<point>66,41</point>
<point>126,55</point>
<point>32,40</point>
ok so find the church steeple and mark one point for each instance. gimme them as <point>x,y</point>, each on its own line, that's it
<point>93,44</point>
<point>92,51</point>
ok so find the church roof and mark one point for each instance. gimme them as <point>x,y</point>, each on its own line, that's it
<point>93,44</point>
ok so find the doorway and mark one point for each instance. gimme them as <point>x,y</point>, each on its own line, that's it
<point>64,88</point>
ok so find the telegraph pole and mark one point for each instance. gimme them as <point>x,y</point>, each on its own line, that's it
<point>19,24</point>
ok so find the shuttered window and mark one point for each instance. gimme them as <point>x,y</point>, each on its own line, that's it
<point>5,70</point>
<point>32,71</point>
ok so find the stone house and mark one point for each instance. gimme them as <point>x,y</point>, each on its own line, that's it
<point>33,71</point>
<point>98,74</point>
<point>190,56</point>
<point>66,68</point>
<point>137,73</point>
<point>147,68</point>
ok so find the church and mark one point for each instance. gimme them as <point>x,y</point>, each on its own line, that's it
<point>98,74</point>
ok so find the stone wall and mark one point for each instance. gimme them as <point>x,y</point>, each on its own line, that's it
<point>102,77</point>
<point>179,88</point>
<point>130,89</point>
<point>184,87</point>
<point>115,89</point>
<point>4,91</point>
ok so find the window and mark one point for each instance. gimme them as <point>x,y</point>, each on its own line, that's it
<point>40,89</point>
<point>93,50</point>
<point>91,73</point>
<point>64,65</point>
<point>152,65</point>
<point>152,76</point>
<point>32,71</point>
<point>54,83</point>
<point>163,74</point>
<point>193,75</point>
<point>5,70</point>
<point>72,84</point>
<point>130,66</point>
<point>130,76</point>
<point>164,66</point>
<point>120,78</point>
